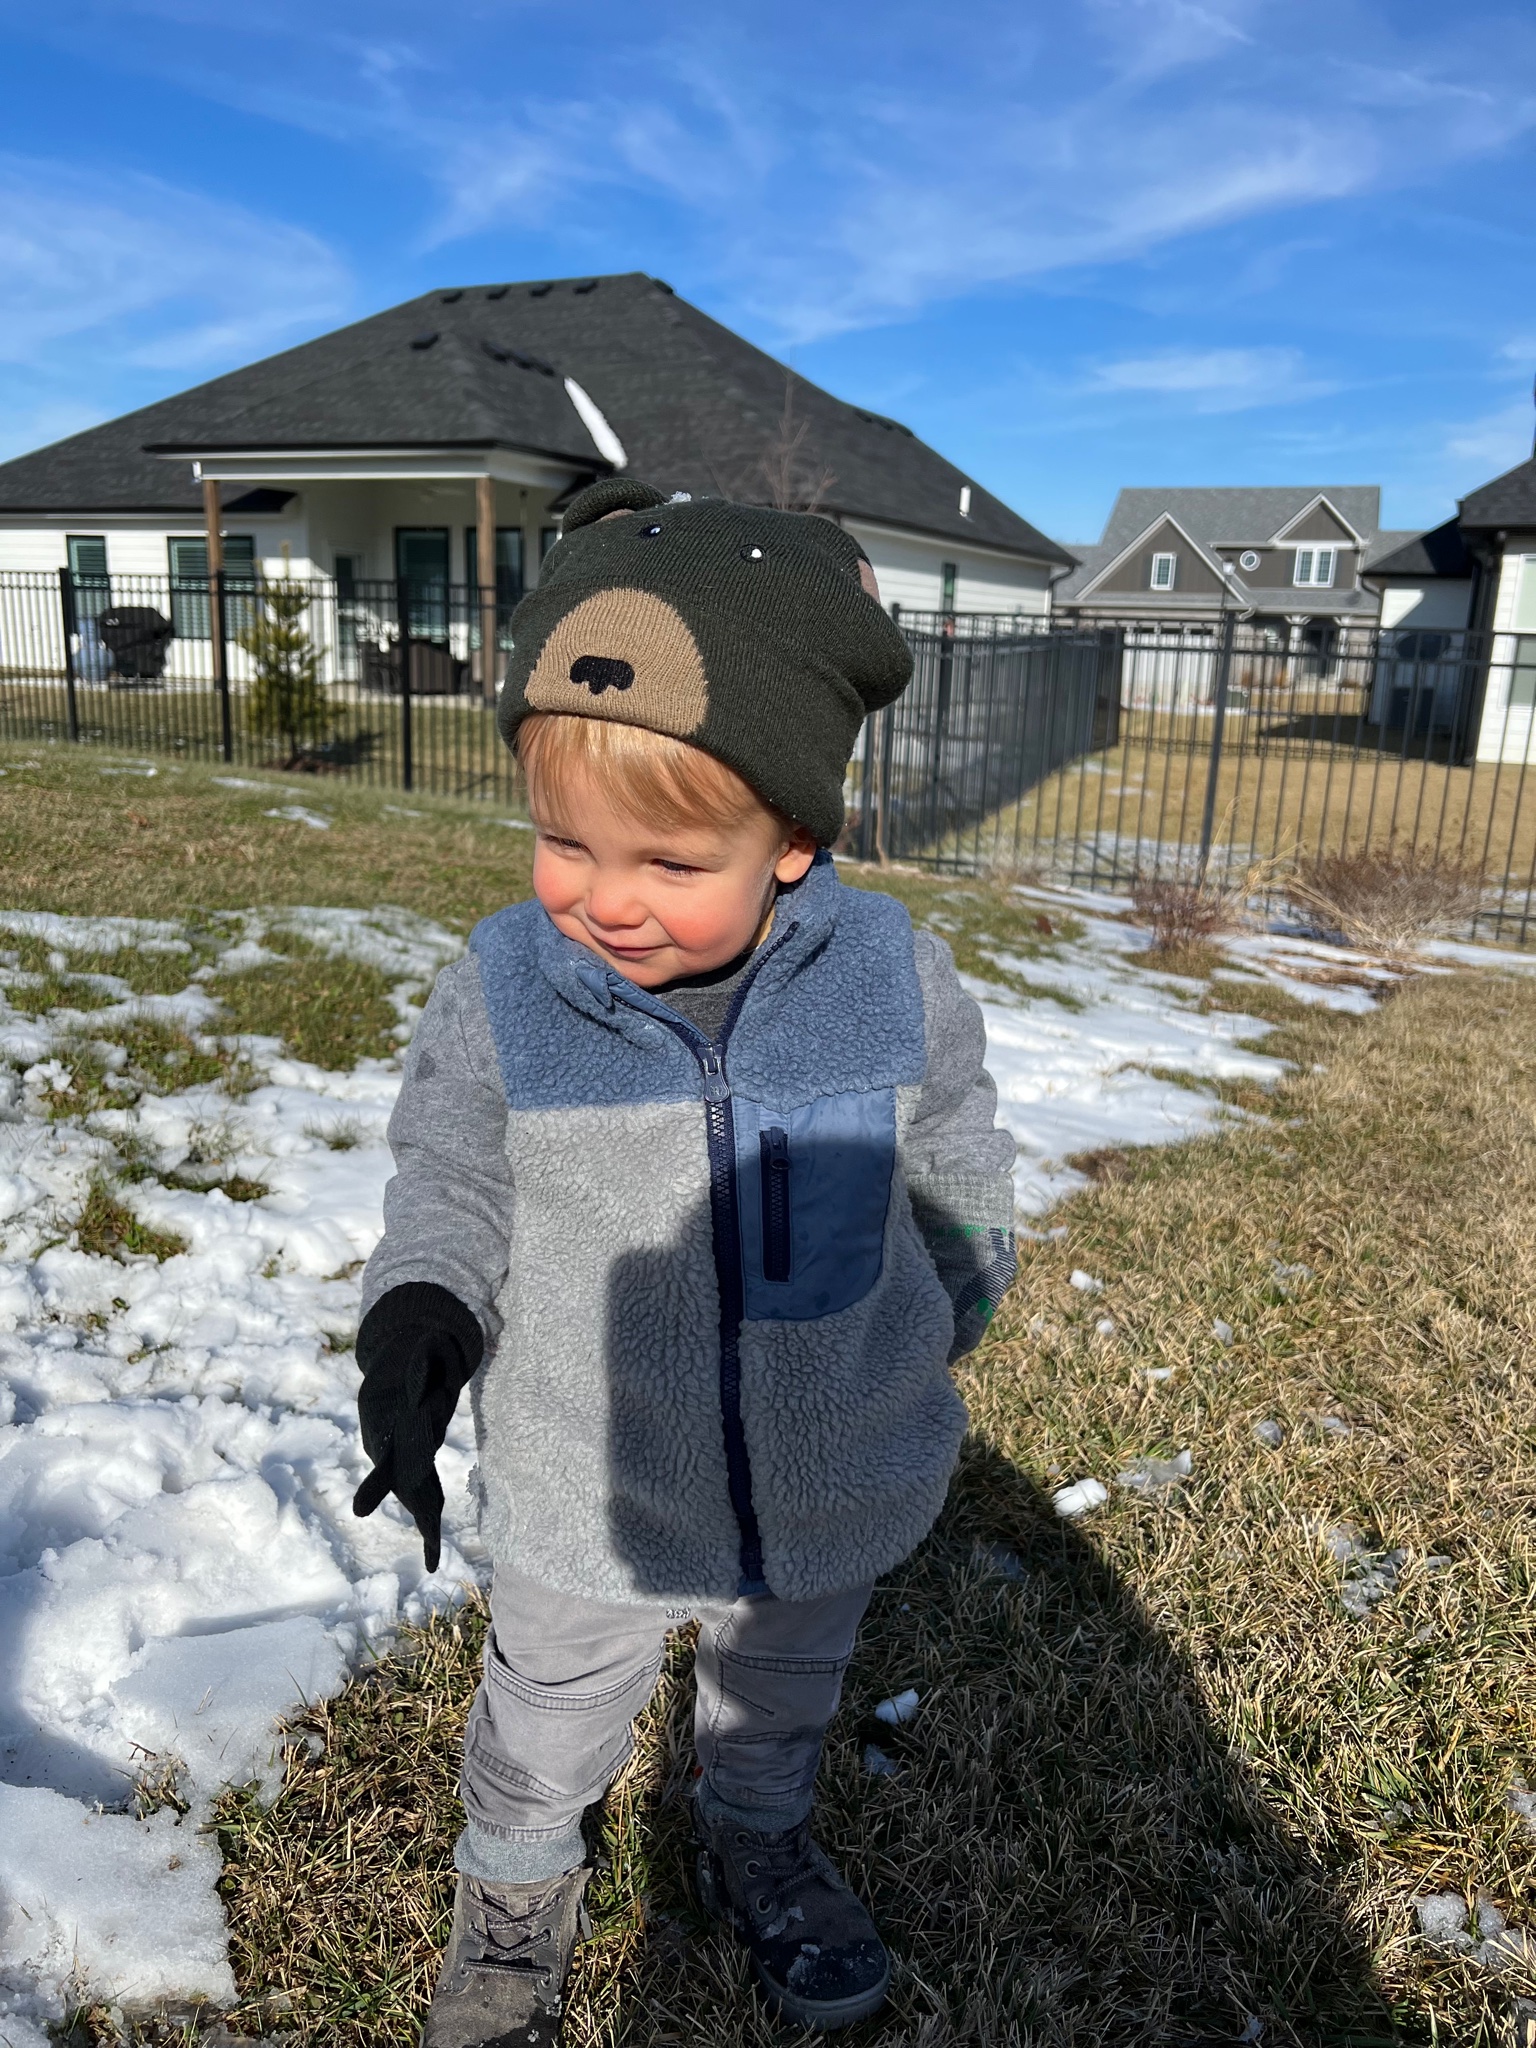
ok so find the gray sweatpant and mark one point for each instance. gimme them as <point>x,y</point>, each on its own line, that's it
<point>551,1725</point>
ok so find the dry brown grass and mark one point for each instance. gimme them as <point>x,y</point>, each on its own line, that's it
<point>76,840</point>
<point>1389,899</point>
<point>1160,1781</point>
<point>1303,787</point>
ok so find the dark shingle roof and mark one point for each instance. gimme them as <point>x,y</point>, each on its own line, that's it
<point>1440,552</point>
<point>696,407</point>
<point>1510,500</point>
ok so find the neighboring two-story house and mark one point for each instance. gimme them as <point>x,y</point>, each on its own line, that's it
<point>394,447</point>
<point>1290,557</point>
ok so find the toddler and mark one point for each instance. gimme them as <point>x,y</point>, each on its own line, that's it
<point>698,1190</point>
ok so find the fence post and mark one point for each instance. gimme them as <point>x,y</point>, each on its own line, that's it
<point>403,620</point>
<point>220,634</point>
<point>1218,727</point>
<point>71,627</point>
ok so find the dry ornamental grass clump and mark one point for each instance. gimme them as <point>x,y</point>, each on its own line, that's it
<point>1390,900</point>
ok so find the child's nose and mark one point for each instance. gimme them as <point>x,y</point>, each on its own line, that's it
<point>612,903</point>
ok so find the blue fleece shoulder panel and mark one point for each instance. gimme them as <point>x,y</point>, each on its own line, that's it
<point>575,1049</point>
<point>843,1017</point>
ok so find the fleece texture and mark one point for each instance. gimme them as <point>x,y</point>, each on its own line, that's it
<point>566,1148</point>
<point>746,632</point>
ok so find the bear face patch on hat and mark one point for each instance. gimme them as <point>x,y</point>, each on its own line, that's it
<point>747,632</point>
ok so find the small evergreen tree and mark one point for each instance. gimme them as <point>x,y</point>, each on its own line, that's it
<point>286,696</point>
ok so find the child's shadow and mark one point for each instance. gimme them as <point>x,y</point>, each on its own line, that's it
<point>1068,1855</point>
<point>1071,1852</point>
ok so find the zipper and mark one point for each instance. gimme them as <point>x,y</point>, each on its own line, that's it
<point>774,1150</point>
<point>725,1230</point>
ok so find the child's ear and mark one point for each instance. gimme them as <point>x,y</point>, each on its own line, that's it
<point>795,859</point>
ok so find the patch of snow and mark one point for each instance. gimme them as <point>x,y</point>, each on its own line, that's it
<point>1085,1282</point>
<point>1270,1435</point>
<point>296,814</point>
<point>878,1764</point>
<point>238,782</point>
<point>1223,1334</point>
<point>179,1564</point>
<point>1073,1080</point>
<point>1369,1575</point>
<point>1153,1476</point>
<point>898,1710</point>
<point>1080,1498</point>
<point>1104,1327</point>
<point>100,1905</point>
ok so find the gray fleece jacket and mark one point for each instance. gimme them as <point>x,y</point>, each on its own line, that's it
<point>721,1282</point>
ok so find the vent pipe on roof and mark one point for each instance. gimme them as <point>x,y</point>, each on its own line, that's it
<point>965,501</point>
<point>604,439</point>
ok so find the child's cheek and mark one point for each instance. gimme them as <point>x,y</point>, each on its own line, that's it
<point>711,916</point>
<point>554,881</point>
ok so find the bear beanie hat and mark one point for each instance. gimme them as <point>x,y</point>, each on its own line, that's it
<point>749,633</point>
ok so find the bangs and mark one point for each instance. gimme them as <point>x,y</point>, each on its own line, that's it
<point>644,774</point>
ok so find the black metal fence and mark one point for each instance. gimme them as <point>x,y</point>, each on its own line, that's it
<point>1099,753</point>
<point>1081,751</point>
<point>383,683</point>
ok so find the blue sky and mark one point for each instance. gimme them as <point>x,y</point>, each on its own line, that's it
<point>1076,246</point>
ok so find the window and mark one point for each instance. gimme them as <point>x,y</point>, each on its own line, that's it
<point>190,615</point>
<point>421,562</point>
<point>1314,568</point>
<point>509,562</point>
<point>1248,560</point>
<point>1164,569</point>
<point>948,577</point>
<point>548,535</point>
<point>88,573</point>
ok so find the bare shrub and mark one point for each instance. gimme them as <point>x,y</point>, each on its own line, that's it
<point>1183,913</point>
<point>1388,899</point>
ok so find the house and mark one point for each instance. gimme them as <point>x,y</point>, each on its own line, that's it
<point>1498,524</point>
<point>1289,556</point>
<point>398,446</point>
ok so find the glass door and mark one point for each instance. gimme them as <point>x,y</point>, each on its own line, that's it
<point>421,563</point>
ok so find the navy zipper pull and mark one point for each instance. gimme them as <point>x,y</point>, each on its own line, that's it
<point>712,1064</point>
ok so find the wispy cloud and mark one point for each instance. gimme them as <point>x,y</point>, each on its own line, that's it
<point>180,282</point>
<point>1495,442</point>
<point>1214,379</point>
<point>828,171</point>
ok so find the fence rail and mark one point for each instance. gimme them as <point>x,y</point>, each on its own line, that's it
<point>1083,751</point>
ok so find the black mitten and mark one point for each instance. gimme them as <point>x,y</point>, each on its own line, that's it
<point>418,1347</point>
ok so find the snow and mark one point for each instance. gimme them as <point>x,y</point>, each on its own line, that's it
<point>1074,1076</point>
<point>179,1565</point>
<point>297,814</point>
<point>180,1568</point>
<point>899,1709</point>
<point>1080,1498</point>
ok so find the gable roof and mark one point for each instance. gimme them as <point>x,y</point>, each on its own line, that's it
<point>1440,552</point>
<point>1109,561</point>
<point>696,407</point>
<point>1320,502</point>
<point>1217,516</point>
<point>1510,500</point>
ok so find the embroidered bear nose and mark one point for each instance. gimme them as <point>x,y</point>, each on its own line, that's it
<point>601,672</point>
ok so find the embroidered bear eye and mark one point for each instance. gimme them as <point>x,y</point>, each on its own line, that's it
<point>752,553</point>
<point>649,532</point>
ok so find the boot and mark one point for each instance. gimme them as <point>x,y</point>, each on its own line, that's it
<point>815,1949</point>
<point>503,1978</point>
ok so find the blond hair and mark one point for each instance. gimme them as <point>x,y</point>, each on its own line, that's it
<point>642,773</point>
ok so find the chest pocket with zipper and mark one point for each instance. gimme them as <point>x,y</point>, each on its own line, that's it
<point>814,1187</point>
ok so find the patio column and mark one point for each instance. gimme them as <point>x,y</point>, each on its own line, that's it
<point>213,522</point>
<point>485,550</point>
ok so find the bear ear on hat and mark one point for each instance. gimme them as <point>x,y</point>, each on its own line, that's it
<point>610,494</point>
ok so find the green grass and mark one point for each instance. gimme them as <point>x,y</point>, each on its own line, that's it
<point>327,1009</point>
<point>109,1228</point>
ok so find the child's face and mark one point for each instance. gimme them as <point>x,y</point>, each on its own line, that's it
<point>660,904</point>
